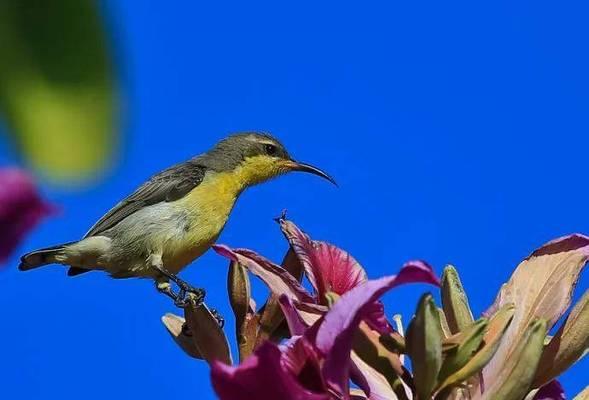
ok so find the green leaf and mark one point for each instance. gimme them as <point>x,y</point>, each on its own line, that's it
<point>455,302</point>
<point>444,323</point>
<point>56,84</point>
<point>468,342</point>
<point>424,346</point>
<point>495,330</point>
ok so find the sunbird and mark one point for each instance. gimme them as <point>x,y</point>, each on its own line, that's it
<point>174,217</point>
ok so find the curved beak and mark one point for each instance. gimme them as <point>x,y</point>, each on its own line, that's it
<point>303,167</point>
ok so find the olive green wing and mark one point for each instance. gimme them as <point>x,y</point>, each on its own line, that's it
<point>169,185</point>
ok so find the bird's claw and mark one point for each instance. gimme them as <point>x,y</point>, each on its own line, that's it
<point>192,296</point>
<point>186,294</point>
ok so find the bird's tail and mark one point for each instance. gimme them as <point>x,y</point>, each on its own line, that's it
<point>39,258</point>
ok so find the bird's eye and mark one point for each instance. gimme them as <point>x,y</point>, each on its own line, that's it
<point>270,149</point>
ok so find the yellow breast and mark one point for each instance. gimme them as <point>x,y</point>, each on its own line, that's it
<point>207,208</point>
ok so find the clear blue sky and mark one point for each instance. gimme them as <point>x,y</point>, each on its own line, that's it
<point>458,132</point>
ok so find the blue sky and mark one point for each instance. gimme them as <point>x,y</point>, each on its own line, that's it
<point>457,131</point>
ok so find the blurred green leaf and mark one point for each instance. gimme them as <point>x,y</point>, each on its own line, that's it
<point>56,84</point>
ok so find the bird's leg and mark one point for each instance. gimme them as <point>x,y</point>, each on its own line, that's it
<point>180,298</point>
<point>164,287</point>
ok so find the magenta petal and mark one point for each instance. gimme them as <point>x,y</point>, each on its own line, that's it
<point>418,271</point>
<point>302,360</point>
<point>376,319</point>
<point>261,376</point>
<point>274,276</point>
<point>335,334</point>
<point>329,268</point>
<point>296,325</point>
<point>21,208</point>
<point>551,391</point>
<point>294,354</point>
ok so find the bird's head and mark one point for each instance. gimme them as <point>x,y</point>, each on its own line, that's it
<point>254,157</point>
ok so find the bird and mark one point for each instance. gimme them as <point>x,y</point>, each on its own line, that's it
<point>175,216</point>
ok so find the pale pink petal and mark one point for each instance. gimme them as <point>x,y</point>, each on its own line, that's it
<point>541,288</point>
<point>278,280</point>
<point>376,386</point>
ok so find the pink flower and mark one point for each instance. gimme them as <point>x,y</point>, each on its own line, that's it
<point>315,363</point>
<point>328,268</point>
<point>21,209</point>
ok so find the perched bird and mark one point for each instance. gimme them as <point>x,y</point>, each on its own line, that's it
<point>175,216</point>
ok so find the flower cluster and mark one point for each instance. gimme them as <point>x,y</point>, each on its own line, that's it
<point>336,342</point>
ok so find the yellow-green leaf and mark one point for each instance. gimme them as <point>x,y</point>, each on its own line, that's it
<point>424,346</point>
<point>56,85</point>
<point>455,302</point>
<point>496,328</point>
<point>468,342</point>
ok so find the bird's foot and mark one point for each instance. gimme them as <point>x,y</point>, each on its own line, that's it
<point>194,297</point>
<point>185,295</point>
